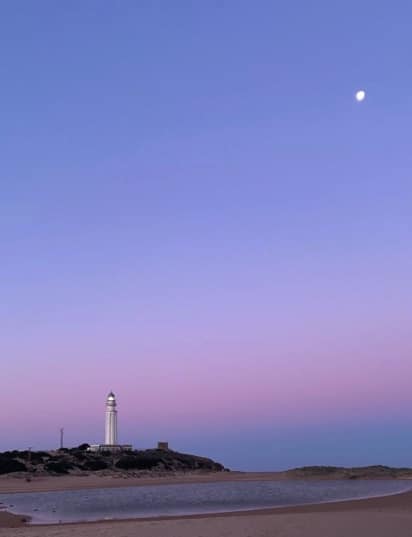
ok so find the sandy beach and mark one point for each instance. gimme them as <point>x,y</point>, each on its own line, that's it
<point>374,517</point>
<point>47,483</point>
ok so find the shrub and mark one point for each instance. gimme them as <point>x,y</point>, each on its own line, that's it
<point>94,464</point>
<point>35,457</point>
<point>7,466</point>
<point>10,454</point>
<point>320,470</point>
<point>59,467</point>
<point>137,462</point>
<point>79,455</point>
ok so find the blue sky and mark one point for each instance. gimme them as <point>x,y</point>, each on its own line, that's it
<point>196,213</point>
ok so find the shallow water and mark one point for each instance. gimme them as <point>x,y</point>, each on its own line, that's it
<point>182,499</point>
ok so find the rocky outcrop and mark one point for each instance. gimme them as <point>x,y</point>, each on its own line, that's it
<point>80,461</point>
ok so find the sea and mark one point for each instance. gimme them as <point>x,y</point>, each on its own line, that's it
<point>187,499</point>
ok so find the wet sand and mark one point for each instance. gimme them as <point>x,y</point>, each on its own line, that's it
<point>70,482</point>
<point>389,516</point>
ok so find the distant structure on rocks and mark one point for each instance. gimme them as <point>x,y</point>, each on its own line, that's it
<point>110,436</point>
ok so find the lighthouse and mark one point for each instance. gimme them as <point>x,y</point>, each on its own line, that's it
<point>110,430</point>
<point>110,437</point>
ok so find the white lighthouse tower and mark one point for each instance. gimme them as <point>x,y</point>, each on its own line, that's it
<point>110,437</point>
<point>110,431</point>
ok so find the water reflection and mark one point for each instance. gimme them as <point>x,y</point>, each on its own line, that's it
<point>161,500</point>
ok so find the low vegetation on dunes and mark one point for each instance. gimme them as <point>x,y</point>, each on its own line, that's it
<point>79,460</point>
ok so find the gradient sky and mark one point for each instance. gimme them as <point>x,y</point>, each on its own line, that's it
<point>197,214</point>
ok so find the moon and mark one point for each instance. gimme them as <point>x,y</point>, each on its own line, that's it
<point>360,95</point>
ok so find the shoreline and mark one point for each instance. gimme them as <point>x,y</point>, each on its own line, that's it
<point>372,517</point>
<point>378,502</point>
<point>320,507</point>
<point>15,485</point>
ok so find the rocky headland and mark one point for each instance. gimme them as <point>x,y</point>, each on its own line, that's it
<point>79,461</point>
<point>163,462</point>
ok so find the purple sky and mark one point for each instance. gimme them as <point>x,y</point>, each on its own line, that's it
<point>196,214</point>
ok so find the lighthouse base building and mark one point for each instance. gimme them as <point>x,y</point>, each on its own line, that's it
<point>110,433</point>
